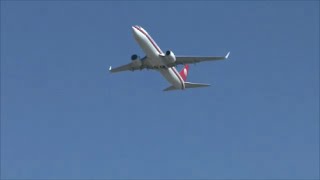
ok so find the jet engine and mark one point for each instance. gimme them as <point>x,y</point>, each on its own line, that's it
<point>136,60</point>
<point>170,57</point>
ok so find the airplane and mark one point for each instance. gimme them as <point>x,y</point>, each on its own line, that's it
<point>165,63</point>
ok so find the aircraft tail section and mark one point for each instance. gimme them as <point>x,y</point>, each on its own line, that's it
<point>184,72</point>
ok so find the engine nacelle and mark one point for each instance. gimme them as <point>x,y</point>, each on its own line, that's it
<point>136,60</point>
<point>170,57</point>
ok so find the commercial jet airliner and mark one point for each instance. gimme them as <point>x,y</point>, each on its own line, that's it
<point>163,62</point>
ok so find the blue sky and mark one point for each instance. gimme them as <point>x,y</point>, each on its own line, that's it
<point>63,115</point>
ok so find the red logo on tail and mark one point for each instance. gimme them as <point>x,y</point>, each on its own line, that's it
<point>184,72</point>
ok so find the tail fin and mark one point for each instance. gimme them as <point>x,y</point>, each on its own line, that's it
<point>184,72</point>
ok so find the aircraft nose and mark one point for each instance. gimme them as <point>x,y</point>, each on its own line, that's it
<point>135,30</point>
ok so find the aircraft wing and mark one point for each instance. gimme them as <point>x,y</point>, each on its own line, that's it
<point>126,67</point>
<point>130,66</point>
<point>190,60</point>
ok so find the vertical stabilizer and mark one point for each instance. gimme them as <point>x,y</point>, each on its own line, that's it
<point>184,72</point>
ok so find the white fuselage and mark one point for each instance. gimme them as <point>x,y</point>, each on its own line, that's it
<point>154,57</point>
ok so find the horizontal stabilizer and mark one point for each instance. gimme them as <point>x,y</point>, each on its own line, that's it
<point>195,85</point>
<point>170,88</point>
<point>187,85</point>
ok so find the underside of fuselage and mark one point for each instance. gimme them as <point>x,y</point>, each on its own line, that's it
<point>155,57</point>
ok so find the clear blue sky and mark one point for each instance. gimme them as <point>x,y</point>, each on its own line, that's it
<point>63,115</point>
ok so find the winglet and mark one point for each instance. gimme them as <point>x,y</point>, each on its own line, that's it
<point>226,57</point>
<point>110,68</point>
